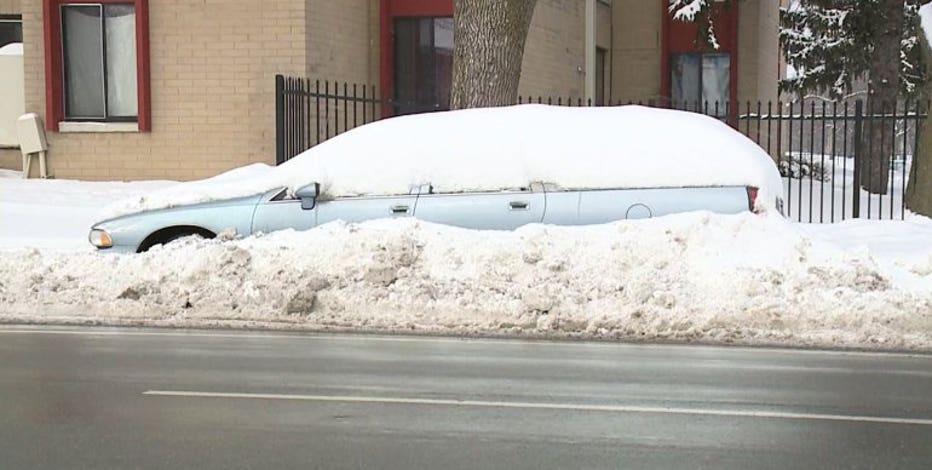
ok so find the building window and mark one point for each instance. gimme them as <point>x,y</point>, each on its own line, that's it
<point>99,53</point>
<point>423,64</point>
<point>97,62</point>
<point>11,29</point>
<point>700,79</point>
<point>693,74</point>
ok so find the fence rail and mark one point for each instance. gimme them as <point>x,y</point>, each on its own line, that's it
<point>826,152</point>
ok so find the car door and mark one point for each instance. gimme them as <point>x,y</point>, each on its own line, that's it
<point>360,209</point>
<point>562,207</point>
<point>278,212</point>
<point>503,210</point>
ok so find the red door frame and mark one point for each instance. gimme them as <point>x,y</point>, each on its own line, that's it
<point>388,11</point>
<point>54,73</point>
<point>685,34</point>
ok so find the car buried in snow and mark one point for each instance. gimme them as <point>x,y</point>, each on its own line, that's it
<point>532,165</point>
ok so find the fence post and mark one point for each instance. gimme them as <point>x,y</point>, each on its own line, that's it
<point>279,119</point>
<point>858,135</point>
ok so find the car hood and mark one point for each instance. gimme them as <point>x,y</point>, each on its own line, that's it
<point>239,201</point>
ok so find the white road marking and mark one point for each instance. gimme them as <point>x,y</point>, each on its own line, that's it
<point>344,336</point>
<point>544,406</point>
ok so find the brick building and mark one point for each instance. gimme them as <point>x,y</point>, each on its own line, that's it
<point>181,89</point>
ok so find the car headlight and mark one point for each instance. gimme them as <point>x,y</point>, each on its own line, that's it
<point>100,238</point>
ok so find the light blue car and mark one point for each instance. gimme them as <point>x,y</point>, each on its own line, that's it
<point>500,210</point>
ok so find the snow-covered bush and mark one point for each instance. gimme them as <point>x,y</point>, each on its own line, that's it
<point>798,166</point>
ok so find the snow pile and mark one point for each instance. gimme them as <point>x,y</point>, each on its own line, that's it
<point>902,249</point>
<point>505,148</point>
<point>57,214</point>
<point>691,277</point>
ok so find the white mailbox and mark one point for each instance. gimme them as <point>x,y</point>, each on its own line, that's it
<point>32,142</point>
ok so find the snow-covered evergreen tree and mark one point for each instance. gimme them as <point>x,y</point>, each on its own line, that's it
<point>700,12</point>
<point>828,43</point>
<point>831,44</point>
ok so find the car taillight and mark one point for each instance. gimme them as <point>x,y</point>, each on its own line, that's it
<point>752,198</point>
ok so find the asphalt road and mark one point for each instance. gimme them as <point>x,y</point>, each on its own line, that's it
<point>116,398</point>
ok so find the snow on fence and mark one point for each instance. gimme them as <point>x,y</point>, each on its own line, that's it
<point>828,153</point>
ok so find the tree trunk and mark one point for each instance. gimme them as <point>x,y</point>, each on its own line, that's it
<point>883,88</point>
<point>919,189</point>
<point>488,51</point>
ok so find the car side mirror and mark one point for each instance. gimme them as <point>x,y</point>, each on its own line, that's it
<point>308,195</point>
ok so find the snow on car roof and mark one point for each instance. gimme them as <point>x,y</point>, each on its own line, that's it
<point>489,149</point>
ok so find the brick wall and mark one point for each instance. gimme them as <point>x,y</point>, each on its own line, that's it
<point>343,40</point>
<point>554,55</point>
<point>636,50</point>
<point>10,7</point>
<point>212,75</point>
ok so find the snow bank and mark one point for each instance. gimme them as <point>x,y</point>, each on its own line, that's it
<point>500,148</point>
<point>902,249</point>
<point>692,277</point>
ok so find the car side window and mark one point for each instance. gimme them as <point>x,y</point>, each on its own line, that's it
<point>280,196</point>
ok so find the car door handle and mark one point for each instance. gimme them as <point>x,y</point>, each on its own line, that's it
<point>519,205</point>
<point>400,209</point>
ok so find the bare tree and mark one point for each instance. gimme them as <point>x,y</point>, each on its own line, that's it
<point>487,53</point>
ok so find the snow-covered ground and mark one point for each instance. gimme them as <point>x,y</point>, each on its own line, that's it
<point>693,277</point>
<point>56,214</point>
<point>810,199</point>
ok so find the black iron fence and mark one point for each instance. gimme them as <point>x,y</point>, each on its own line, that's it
<point>838,159</point>
<point>308,112</point>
